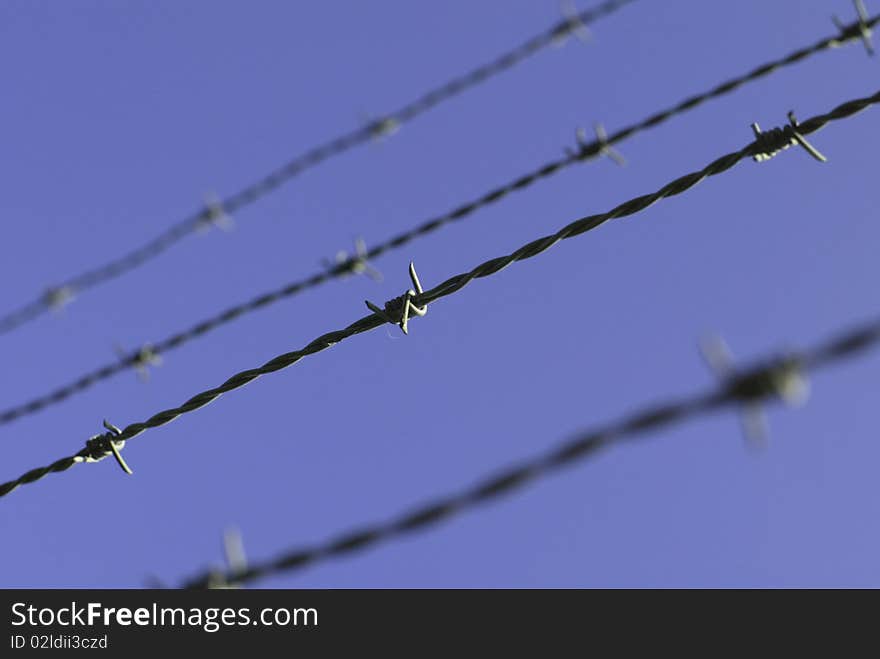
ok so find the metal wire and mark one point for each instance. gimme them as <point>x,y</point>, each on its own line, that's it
<point>586,151</point>
<point>847,35</point>
<point>311,158</point>
<point>758,383</point>
<point>95,451</point>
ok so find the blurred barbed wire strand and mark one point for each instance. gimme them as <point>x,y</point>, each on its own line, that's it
<point>60,294</point>
<point>768,379</point>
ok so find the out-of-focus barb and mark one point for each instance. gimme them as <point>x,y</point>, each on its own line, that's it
<point>140,360</point>
<point>780,378</point>
<point>236,563</point>
<point>572,25</point>
<point>600,146</point>
<point>383,127</point>
<point>214,215</point>
<point>860,29</point>
<point>57,297</point>
<point>356,263</point>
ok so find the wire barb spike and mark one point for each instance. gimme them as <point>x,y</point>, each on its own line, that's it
<point>573,24</point>
<point>397,310</point>
<point>781,378</point>
<point>57,297</point>
<point>769,143</point>
<point>605,148</point>
<point>100,446</point>
<point>236,562</point>
<point>141,359</point>
<point>860,29</point>
<point>600,146</point>
<point>383,127</point>
<point>356,263</point>
<point>214,214</point>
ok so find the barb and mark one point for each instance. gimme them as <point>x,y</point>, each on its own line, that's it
<point>861,29</point>
<point>397,310</point>
<point>342,268</point>
<point>140,361</point>
<point>575,25</point>
<point>236,562</point>
<point>383,127</point>
<point>758,384</point>
<point>600,146</point>
<point>356,263</point>
<point>789,386</point>
<point>454,284</point>
<point>56,298</point>
<point>779,139</point>
<point>214,215</point>
<point>104,445</point>
<point>216,211</point>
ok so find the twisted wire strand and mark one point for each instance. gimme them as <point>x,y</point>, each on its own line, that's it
<point>448,287</point>
<point>587,151</point>
<point>311,158</point>
<point>754,384</point>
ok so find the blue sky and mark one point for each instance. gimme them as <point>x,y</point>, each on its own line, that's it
<point>119,117</point>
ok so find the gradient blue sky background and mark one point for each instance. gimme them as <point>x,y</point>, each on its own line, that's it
<point>118,117</point>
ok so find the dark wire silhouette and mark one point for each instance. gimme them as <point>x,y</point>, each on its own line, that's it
<point>60,294</point>
<point>767,380</point>
<point>141,357</point>
<point>765,143</point>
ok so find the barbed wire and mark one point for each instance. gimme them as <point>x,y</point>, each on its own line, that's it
<point>765,143</point>
<point>346,266</point>
<point>212,212</point>
<point>768,379</point>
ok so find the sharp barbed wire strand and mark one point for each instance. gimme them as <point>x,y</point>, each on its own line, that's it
<point>756,384</point>
<point>293,168</point>
<point>587,150</point>
<point>96,450</point>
